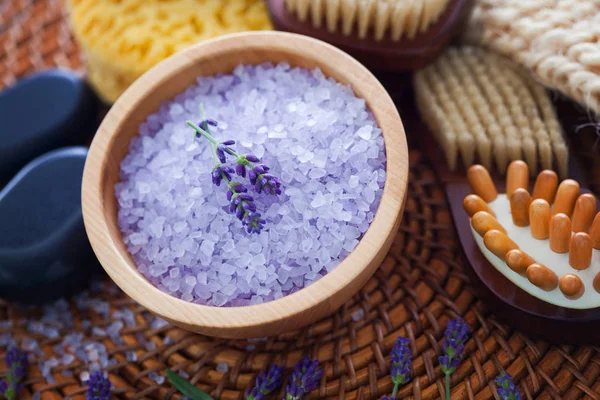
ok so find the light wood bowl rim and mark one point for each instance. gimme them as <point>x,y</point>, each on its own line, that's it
<point>316,300</point>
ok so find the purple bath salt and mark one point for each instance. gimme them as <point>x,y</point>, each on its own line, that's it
<point>315,135</point>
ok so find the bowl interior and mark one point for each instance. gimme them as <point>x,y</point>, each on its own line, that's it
<point>172,77</point>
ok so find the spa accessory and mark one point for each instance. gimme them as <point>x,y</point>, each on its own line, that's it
<point>395,36</point>
<point>44,251</point>
<point>534,252</point>
<point>123,39</point>
<point>42,112</point>
<point>170,78</point>
<point>557,41</point>
<point>480,107</point>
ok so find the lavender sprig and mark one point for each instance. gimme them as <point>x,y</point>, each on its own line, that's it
<point>17,364</point>
<point>266,383</point>
<point>98,387</point>
<point>304,379</point>
<point>455,336</point>
<point>506,388</point>
<point>240,202</point>
<point>249,163</point>
<point>400,363</point>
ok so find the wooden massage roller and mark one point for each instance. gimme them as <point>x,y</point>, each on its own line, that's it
<point>558,212</point>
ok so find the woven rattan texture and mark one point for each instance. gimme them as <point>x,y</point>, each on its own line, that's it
<point>419,286</point>
<point>558,40</point>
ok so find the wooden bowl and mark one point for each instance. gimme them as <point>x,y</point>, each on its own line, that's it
<point>171,77</point>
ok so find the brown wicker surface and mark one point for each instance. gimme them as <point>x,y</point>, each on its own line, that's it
<point>418,288</point>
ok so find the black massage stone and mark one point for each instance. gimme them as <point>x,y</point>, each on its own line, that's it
<point>44,250</point>
<point>45,111</point>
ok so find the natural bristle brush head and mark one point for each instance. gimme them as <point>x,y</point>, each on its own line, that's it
<point>481,108</point>
<point>393,35</point>
<point>547,242</point>
<point>380,18</point>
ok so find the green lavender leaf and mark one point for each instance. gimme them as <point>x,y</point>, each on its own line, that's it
<point>187,388</point>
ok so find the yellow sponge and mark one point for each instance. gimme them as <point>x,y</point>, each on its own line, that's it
<point>121,39</point>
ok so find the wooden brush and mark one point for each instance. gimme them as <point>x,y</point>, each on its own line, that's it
<point>381,18</point>
<point>480,107</point>
<point>560,213</point>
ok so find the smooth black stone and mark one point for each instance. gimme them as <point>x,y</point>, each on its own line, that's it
<point>44,250</point>
<point>45,111</point>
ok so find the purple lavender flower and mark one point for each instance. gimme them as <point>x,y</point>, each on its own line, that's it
<point>266,383</point>
<point>388,398</point>
<point>304,379</point>
<point>455,336</point>
<point>219,172</point>
<point>205,123</point>
<point>17,364</point>
<point>506,388</point>
<point>263,181</point>
<point>400,364</point>
<point>242,204</point>
<point>223,148</point>
<point>401,361</point>
<point>98,387</point>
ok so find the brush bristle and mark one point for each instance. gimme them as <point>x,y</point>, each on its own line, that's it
<point>506,113</point>
<point>379,18</point>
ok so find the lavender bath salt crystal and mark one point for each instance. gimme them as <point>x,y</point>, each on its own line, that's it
<point>316,136</point>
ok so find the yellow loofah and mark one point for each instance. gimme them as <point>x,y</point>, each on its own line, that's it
<point>121,39</point>
<point>480,106</point>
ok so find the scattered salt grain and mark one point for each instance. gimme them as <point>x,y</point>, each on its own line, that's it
<point>313,133</point>
<point>222,367</point>
<point>357,315</point>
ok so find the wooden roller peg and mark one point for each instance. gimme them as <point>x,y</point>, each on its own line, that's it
<point>498,243</point>
<point>481,182</point>
<point>597,282</point>
<point>545,186</point>
<point>483,222</point>
<point>518,260</point>
<point>595,232</point>
<point>566,196</point>
<point>542,277</point>
<point>517,177</point>
<point>519,207</point>
<point>583,214</point>
<point>560,233</point>
<point>571,285</point>
<point>539,219</point>
<point>473,204</point>
<point>580,251</point>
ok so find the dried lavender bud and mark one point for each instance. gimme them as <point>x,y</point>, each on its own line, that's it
<point>17,364</point>
<point>506,388</point>
<point>242,204</point>
<point>244,162</point>
<point>388,398</point>
<point>266,383</point>
<point>304,379</point>
<point>256,171</point>
<point>269,184</point>
<point>98,387</point>
<point>219,172</point>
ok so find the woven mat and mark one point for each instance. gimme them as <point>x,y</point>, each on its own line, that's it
<point>419,287</point>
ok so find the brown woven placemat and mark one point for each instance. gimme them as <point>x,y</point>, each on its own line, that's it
<point>419,287</point>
